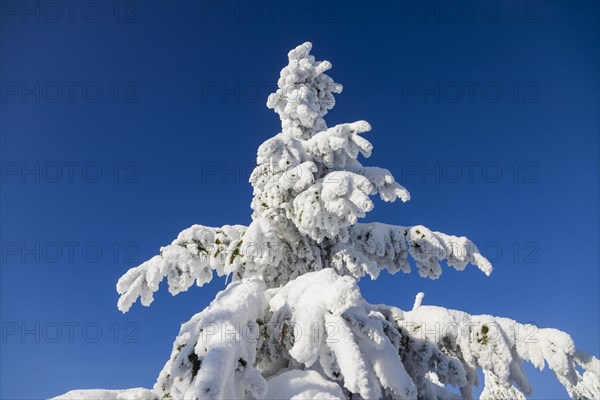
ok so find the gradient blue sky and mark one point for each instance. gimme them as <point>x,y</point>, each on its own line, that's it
<point>174,134</point>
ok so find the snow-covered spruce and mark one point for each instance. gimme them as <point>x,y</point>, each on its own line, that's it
<point>293,324</point>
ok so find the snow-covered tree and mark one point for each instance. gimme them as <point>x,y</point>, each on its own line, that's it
<point>292,323</point>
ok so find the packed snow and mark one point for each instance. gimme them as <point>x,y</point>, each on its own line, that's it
<point>102,394</point>
<point>303,385</point>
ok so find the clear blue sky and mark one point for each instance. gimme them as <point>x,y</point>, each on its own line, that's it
<point>122,126</point>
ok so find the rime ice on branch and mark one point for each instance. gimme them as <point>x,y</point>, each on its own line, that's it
<point>294,291</point>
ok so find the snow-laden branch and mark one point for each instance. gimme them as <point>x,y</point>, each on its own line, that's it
<point>338,148</point>
<point>325,318</point>
<point>389,190</point>
<point>382,352</point>
<point>284,170</point>
<point>190,258</point>
<point>214,354</point>
<point>335,146</point>
<point>375,246</point>
<point>499,346</point>
<point>332,204</point>
<point>291,174</point>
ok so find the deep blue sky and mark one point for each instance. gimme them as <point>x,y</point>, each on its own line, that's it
<point>183,90</point>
